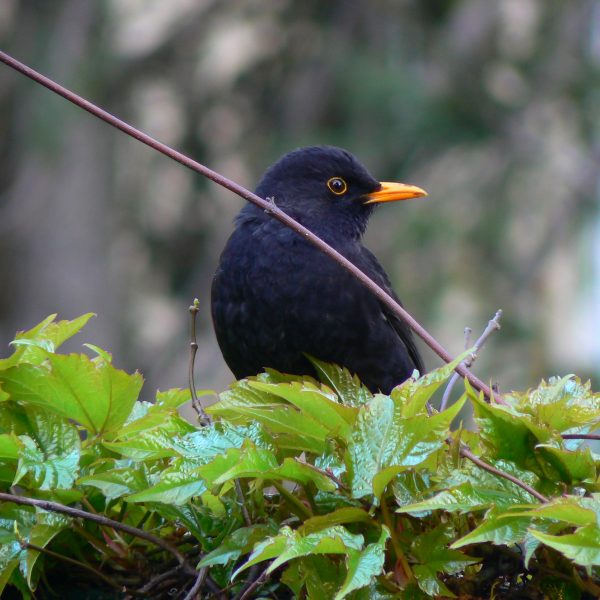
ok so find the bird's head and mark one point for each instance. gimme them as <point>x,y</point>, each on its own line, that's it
<point>328,190</point>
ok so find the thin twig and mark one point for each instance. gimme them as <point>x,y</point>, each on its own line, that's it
<point>493,325</point>
<point>102,520</point>
<point>269,207</point>
<point>387,518</point>
<point>242,501</point>
<point>159,579</point>
<point>197,405</point>
<point>260,580</point>
<point>580,436</point>
<point>466,453</point>
<point>195,589</point>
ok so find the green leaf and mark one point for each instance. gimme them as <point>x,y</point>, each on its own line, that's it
<point>572,467</point>
<point>243,404</point>
<point>289,544</point>
<point>463,498</point>
<point>96,395</point>
<point>348,387</point>
<point>497,528</point>
<point>363,565</point>
<point>9,561</point>
<point>337,517</point>
<point>116,483</point>
<point>582,546</point>
<point>431,550</point>
<point>50,454</point>
<point>176,397</point>
<point>260,462</point>
<point>9,446</point>
<point>34,345</point>
<point>41,534</point>
<point>177,485</point>
<point>561,404</point>
<point>235,545</point>
<point>413,395</point>
<point>382,438</point>
<point>315,403</point>
<point>573,510</point>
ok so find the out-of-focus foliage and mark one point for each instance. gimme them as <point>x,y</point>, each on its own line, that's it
<point>340,493</point>
<point>493,107</point>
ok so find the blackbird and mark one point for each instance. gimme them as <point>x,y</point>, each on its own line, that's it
<point>276,298</point>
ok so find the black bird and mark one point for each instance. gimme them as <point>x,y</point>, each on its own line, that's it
<point>275,297</point>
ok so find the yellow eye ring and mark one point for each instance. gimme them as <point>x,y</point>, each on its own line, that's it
<point>337,185</point>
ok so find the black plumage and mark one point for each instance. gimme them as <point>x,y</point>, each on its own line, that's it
<point>275,297</point>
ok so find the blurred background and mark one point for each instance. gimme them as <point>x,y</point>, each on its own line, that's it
<point>493,107</point>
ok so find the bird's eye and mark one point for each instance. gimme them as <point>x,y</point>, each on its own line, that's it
<point>337,185</point>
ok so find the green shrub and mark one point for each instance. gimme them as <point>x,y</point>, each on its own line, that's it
<point>295,488</point>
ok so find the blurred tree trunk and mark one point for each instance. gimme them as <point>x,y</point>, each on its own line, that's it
<point>55,217</point>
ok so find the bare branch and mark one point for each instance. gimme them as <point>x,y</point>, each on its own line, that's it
<point>581,436</point>
<point>493,325</point>
<point>195,589</point>
<point>466,453</point>
<point>262,578</point>
<point>102,520</point>
<point>203,417</point>
<point>269,207</point>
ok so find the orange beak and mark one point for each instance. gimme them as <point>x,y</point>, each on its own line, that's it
<point>391,192</point>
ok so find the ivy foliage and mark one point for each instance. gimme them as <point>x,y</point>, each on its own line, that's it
<point>346,494</point>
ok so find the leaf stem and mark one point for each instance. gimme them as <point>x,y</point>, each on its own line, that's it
<point>387,519</point>
<point>301,509</point>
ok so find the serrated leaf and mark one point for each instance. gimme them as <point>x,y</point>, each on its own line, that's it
<point>40,535</point>
<point>176,397</point>
<point>582,546</point>
<point>569,509</point>
<point>382,438</point>
<point>572,467</point>
<point>290,544</point>
<point>50,453</point>
<point>512,436</point>
<point>34,345</point>
<point>561,403</point>
<point>497,528</point>
<point>315,403</point>
<point>337,517</point>
<point>235,545</point>
<point>413,395</point>
<point>364,565</point>
<point>430,548</point>
<point>176,487</point>
<point>116,483</point>
<point>96,395</point>
<point>463,498</point>
<point>347,386</point>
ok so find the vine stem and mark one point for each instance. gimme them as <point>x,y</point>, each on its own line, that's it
<point>267,206</point>
<point>102,520</point>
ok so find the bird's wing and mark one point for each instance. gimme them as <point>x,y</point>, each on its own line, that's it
<point>377,272</point>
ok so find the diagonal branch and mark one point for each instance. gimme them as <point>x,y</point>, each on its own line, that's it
<point>102,520</point>
<point>269,207</point>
